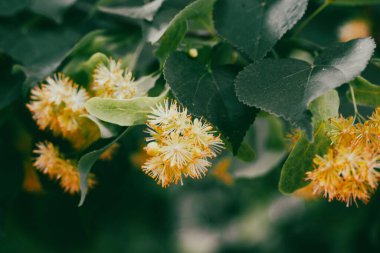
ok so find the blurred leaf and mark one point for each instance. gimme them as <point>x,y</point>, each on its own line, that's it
<point>53,9</point>
<point>209,93</point>
<point>301,157</point>
<point>154,30</point>
<point>246,152</point>
<point>254,26</point>
<point>123,112</point>
<point>177,28</point>
<point>285,87</point>
<point>376,62</point>
<point>355,2</point>
<point>276,138</point>
<point>366,93</point>
<point>11,79</point>
<point>88,160</point>
<point>10,7</point>
<point>146,11</point>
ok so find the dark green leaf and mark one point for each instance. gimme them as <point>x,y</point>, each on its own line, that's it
<point>285,87</point>
<point>209,93</point>
<point>366,93</point>
<point>246,152</point>
<point>146,11</point>
<point>88,160</point>
<point>254,26</point>
<point>53,9</point>
<point>11,79</point>
<point>10,7</point>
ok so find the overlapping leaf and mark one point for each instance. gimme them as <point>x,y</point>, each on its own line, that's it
<point>366,93</point>
<point>254,26</point>
<point>209,92</point>
<point>285,87</point>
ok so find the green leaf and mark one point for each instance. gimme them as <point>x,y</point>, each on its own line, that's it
<point>366,93</point>
<point>354,2</point>
<point>177,28</point>
<point>254,26</point>
<point>325,107</point>
<point>209,92</point>
<point>246,152</point>
<point>301,157</point>
<point>285,87</point>
<point>300,160</point>
<point>10,7</point>
<point>123,112</point>
<point>53,9</point>
<point>88,160</point>
<point>146,11</point>
<point>106,129</point>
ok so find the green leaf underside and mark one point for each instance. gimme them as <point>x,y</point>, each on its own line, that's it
<point>88,160</point>
<point>254,26</point>
<point>209,93</point>
<point>177,28</point>
<point>301,157</point>
<point>285,87</point>
<point>355,2</point>
<point>366,93</point>
<point>146,11</point>
<point>123,112</point>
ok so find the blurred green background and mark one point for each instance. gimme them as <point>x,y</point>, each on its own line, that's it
<point>127,211</point>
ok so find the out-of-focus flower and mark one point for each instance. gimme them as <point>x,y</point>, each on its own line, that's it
<point>58,105</point>
<point>31,181</point>
<point>178,145</point>
<point>51,162</point>
<point>354,29</point>
<point>111,81</point>
<point>350,170</point>
<point>109,153</point>
<point>221,171</point>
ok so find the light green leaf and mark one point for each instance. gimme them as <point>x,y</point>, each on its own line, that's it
<point>87,161</point>
<point>123,112</point>
<point>146,11</point>
<point>254,26</point>
<point>325,107</point>
<point>209,92</point>
<point>285,87</point>
<point>366,93</point>
<point>106,129</point>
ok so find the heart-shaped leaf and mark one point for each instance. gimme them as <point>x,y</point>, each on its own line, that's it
<point>254,26</point>
<point>285,87</point>
<point>209,92</point>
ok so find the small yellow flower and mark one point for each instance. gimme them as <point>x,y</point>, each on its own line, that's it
<point>51,162</point>
<point>109,153</point>
<point>111,81</point>
<point>354,29</point>
<point>58,105</point>
<point>221,171</point>
<point>178,145</point>
<point>341,130</point>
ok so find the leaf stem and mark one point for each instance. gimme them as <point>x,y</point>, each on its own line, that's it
<point>357,114</point>
<point>311,17</point>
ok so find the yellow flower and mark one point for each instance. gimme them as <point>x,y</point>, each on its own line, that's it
<point>341,130</point>
<point>58,105</point>
<point>111,81</point>
<point>221,171</point>
<point>109,153</point>
<point>51,162</point>
<point>178,145</point>
<point>354,29</point>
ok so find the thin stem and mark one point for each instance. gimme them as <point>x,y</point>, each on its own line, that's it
<point>311,17</point>
<point>357,114</point>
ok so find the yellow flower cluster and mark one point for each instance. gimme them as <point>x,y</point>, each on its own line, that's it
<point>178,145</point>
<point>354,29</point>
<point>350,169</point>
<point>111,81</point>
<point>58,105</point>
<point>51,162</point>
